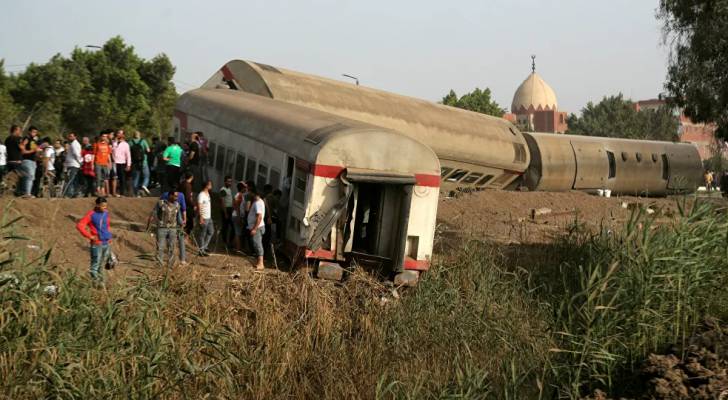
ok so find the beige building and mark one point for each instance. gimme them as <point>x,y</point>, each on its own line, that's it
<point>534,106</point>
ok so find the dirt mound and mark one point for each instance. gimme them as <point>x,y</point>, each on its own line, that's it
<point>535,217</point>
<point>699,374</point>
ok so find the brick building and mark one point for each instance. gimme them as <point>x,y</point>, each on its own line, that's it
<point>703,135</point>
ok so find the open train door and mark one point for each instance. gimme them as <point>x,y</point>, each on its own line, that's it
<point>592,165</point>
<point>370,218</point>
<point>378,218</point>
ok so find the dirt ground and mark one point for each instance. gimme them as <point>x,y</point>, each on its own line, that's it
<point>697,371</point>
<point>535,217</point>
<point>50,224</point>
<point>504,217</point>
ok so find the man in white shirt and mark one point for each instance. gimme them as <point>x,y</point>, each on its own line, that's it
<point>72,164</point>
<point>205,210</point>
<point>3,164</point>
<point>256,226</point>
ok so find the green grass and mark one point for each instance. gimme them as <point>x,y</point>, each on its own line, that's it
<point>486,322</point>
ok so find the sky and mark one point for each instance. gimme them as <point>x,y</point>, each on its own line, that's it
<point>585,49</point>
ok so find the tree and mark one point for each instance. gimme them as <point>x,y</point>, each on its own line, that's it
<point>93,90</point>
<point>477,100</point>
<point>8,109</point>
<point>616,117</point>
<point>697,77</point>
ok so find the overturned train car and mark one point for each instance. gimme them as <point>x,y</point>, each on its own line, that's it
<point>339,203</point>
<point>478,151</point>
<point>631,167</point>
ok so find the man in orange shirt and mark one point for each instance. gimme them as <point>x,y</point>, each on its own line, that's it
<point>102,159</point>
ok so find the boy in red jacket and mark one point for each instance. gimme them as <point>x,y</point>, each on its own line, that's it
<point>95,227</point>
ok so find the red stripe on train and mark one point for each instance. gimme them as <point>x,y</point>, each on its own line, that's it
<point>226,73</point>
<point>333,171</point>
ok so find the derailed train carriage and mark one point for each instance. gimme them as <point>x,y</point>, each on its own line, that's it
<point>478,151</point>
<point>344,203</point>
<point>633,167</point>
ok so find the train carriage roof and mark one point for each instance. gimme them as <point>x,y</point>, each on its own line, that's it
<point>307,133</point>
<point>452,133</point>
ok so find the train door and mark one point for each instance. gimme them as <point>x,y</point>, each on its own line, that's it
<point>376,225</point>
<point>368,225</point>
<point>592,165</point>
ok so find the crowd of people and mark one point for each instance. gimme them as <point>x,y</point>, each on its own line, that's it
<point>109,165</point>
<point>249,222</point>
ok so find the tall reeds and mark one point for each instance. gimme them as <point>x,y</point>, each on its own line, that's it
<point>557,320</point>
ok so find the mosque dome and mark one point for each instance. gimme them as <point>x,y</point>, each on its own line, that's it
<point>534,94</point>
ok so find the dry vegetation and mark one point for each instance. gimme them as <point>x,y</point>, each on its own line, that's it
<point>559,319</point>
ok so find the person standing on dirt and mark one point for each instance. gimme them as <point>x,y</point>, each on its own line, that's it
<point>170,219</point>
<point>139,164</point>
<point>3,164</point>
<point>29,150</point>
<point>238,215</point>
<point>15,156</point>
<point>186,188</point>
<point>88,174</point>
<point>96,227</point>
<point>172,156</point>
<point>193,158</point>
<point>122,159</point>
<point>207,229</point>
<point>256,226</point>
<point>102,165</point>
<point>157,166</point>
<point>72,164</point>
<point>226,210</point>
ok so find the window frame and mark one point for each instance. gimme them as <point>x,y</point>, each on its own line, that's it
<point>211,153</point>
<point>452,179</point>
<point>238,157</point>
<point>220,159</point>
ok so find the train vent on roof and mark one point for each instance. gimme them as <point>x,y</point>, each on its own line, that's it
<point>520,153</point>
<point>269,68</point>
<point>317,135</point>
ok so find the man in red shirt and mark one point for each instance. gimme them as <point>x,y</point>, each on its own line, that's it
<point>95,226</point>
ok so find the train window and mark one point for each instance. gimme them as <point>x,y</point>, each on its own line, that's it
<point>612,165</point>
<point>457,175</point>
<point>665,167</point>
<point>262,175</point>
<point>275,178</point>
<point>444,171</point>
<point>250,170</point>
<point>484,180</point>
<point>654,158</point>
<point>229,162</point>
<point>220,161</point>
<point>625,156</point>
<point>299,191</point>
<point>638,157</point>
<point>240,167</point>
<point>474,176</point>
<point>211,147</point>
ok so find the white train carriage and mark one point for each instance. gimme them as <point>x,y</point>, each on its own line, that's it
<point>354,191</point>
